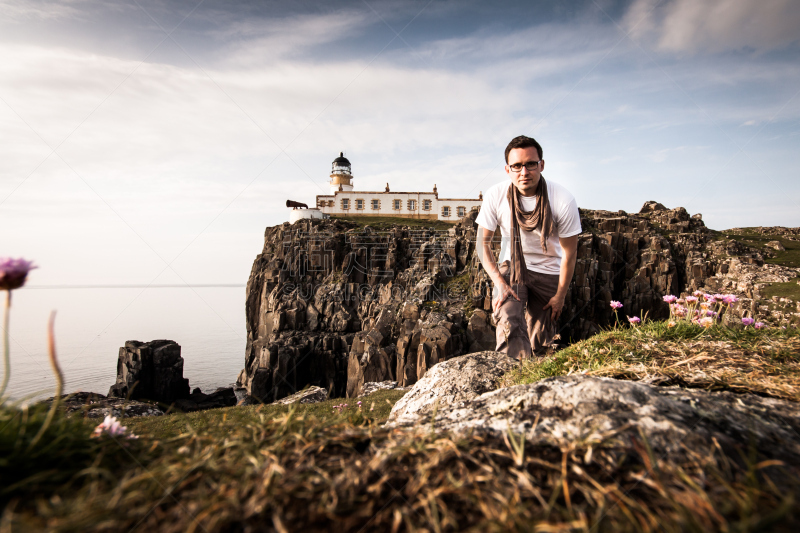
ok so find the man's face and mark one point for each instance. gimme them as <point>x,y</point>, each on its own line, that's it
<point>525,180</point>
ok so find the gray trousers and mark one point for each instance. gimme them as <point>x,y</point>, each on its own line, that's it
<point>524,327</point>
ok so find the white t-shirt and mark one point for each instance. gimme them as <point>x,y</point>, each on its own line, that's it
<point>495,211</point>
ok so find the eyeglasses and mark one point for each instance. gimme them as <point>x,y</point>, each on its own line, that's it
<point>530,166</point>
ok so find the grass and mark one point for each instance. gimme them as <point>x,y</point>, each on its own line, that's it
<point>790,289</point>
<point>383,223</point>
<point>788,258</point>
<point>765,362</point>
<point>295,471</point>
<point>315,468</point>
<point>220,421</point>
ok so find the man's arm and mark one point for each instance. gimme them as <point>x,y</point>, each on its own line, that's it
<point>486,257</point>
<point>569,246</point>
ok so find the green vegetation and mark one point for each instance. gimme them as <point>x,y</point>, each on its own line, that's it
<point>789,258</point>
<point>218,422</point>
<point>765,362</point>
<point>790,289</point>
<point>383,223</point>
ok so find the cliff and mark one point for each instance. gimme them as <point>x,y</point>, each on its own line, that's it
<point>337,303</point>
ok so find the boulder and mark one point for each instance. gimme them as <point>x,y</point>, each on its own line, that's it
<point>150,370</point>
<point>372,358</point>
<point>451,383</point>
<point>308,395</point>
<point>434,346</point>
<point>197,401</point>
<point>651,206</point>
<point>480,333</point>
<point>407,346</point>
<point>776,245</point>
<point>585,410</point>
<point>373,386</point>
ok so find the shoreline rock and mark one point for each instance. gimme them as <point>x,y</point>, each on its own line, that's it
<point>94,405</point>
<point>150,371</point>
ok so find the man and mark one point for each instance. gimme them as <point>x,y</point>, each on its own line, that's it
<point>540,224</point>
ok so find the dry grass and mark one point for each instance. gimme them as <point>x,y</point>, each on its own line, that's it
<point>765,362</point>
<point>297,473</point>
<point>299,469</point>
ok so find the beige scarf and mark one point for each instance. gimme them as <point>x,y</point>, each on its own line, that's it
<point>540,218</point>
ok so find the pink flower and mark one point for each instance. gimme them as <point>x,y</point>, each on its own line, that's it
<point>615,305</point>
<point>730,298</point>
<point>13,272</point>
<point>110,426</point>
<point>670,299</point>
<point>710,299</point>
<point>759,325</point>
<point>697,293</point>
<point>706,321</point>
<point>634,319</point>
<point>747,321</point>
<point>691,299</point>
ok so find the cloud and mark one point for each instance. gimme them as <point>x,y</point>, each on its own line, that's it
<point>15,11</point>
<point>711,26</point>
<point>262,41</point>
<point>169,149</point>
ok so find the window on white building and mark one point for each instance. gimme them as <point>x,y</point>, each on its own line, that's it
<point>462,211</point>
<point>412,205</point>
<point>345,203</point>
<point>376,204</point>
<point>426,205</point>
<point>446,211</point>
<point>359,203</point>
<point>397,205</point>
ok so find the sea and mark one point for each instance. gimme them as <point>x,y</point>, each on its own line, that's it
<point>93,322</point>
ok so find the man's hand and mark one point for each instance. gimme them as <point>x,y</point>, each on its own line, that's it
<point>556,303</point>
<point>505,292</point>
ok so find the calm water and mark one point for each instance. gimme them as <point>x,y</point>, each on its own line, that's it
<point>92,324</point>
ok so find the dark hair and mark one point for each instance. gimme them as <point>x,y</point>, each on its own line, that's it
<point>523,142</point>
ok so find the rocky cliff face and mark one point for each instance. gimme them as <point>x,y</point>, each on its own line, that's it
<point>336,304</point>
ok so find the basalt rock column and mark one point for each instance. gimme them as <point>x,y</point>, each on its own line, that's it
<point>151,371</point>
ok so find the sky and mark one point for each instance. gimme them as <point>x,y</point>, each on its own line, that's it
<point>152,142</point>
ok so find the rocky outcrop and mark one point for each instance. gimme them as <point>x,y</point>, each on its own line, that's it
<point>582,410</point>
<point>94,405</point>
<point>309,395</point>
<point>334,304</point>
<point>792,234</point>
<point>150,370</point>
<point>197,401</point>
<point>374,386</point>
<point>451,384</point>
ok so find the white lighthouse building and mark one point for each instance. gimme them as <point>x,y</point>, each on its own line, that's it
<point>344,201</point>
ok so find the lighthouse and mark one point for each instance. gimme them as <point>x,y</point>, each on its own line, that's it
<point>345,201</point>
<point>341,174</point>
